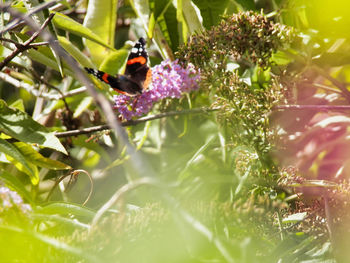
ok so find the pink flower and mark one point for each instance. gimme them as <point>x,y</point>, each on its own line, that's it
<point>169,80</point>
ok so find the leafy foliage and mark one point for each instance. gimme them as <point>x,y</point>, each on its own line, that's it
<point>248,165</point>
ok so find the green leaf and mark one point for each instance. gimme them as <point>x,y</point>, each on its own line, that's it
<point>142,10</point>
<point>75,52</point>
<point>39,160</point>
<point>151,26</point>
<point>22,127</point>
<point>211,10</point>
<point>169,27</point>
<point>181,20</point>
<point>190,17</point>
<point>39,17</point>
<point>159,7</point>
<point>281,58</point>
<point>54,53</point>
<point>45,55</point>
<point>2,21</point>
<point>74,223</point>
<point>101,18</point>
<point>164,17</point>
<point>246,77</point>
<point>66,23</point>
<point>65,209</point>
<point>295,218</point>
<point>58,61</point>
<point>33,173</point>
<point>115,62</point>
<point>18,104</point>
<point>233,7</point>
<point>83,105</point>
<point>18,158</point>
<point>193,18</point>
<point>48,61</point>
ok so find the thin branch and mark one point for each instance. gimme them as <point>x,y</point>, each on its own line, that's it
<point>15,22</point>
<point>73,173</point>
<point>134,122</point>
<point>313,107</point>
<point>10,41</point>
<point>31,89</point>
<point>91,184</point>
<point>26,45</point>
<point>38,44</point>
<point>17,44</point>
<point>82,131</point>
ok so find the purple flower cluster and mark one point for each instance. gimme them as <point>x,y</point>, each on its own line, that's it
<point>169,80</point>
<point>10,200</point>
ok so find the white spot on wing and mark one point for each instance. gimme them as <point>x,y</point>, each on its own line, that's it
<point>134,50</point>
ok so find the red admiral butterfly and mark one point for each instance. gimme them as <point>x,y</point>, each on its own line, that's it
<point>137,74</point>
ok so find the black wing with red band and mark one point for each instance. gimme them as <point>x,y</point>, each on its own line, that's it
<point>137,74</point>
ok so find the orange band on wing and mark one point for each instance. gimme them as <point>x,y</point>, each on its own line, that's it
<point>140,60</point>
<point>147,80</point>
<point>104,77</point>
<point>119,91</point>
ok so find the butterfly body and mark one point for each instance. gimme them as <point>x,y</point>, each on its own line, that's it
<point>137,74</point>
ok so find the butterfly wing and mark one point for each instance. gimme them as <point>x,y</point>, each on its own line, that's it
<point>136,67</point>
<point>137,73</point>
<point>121,83</point>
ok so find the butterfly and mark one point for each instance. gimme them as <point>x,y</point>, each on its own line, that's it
<point>137,76</point>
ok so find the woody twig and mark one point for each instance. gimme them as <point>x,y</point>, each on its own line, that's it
<point>26,45</point>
